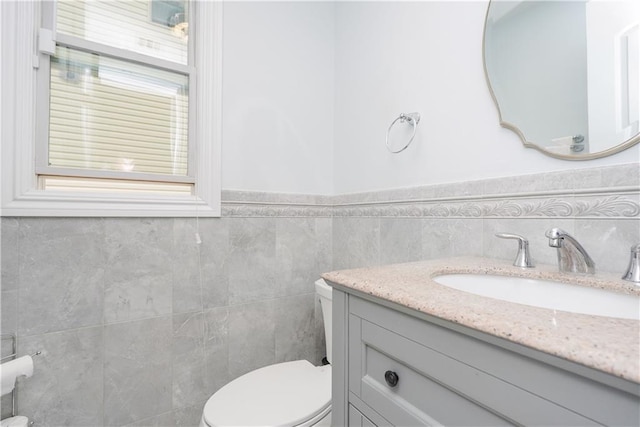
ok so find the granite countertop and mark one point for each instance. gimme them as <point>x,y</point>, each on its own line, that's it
<point>607,344</point>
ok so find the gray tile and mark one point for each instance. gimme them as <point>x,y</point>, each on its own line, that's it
<point>163,420</point>
<point>565,180</point>
<point>138,277</point>
<point>35,230</point>
<point>451,237</point>
<point>608,242</point>
<point>533,229</point>
<point>190,416</point>
<point>8,325</point>
<point>252,260</point>
<point>458,189</point>
<point>66,388</point>
<point>426,192</point>
<point>297,255</point>
<point>513,185</point>
<point>356,242</point>
<point>621,175</point>
<point>138,298</point>
<point>399,194</point>
<point>265,197</point>
<point>5,406</point>
<point>189,380</point>
<point>187,288</point>
<point>9,253</point>
<point>294,198</point>
<point>137,370</point>
<point>138,246</point>
<point>323,200</point>
<point>349,198</point>
<point>237,196</point>
<point>62,264</point>
<point>251,337</point>
<point>295,328</point>
<point>400,240</point>
<point>214,255</point>
<point>9,317</point>
<point>201,277</point>
<point>573,179</point>
<point>216,348</point>
<point>188,335</point>
<point>324,238</point>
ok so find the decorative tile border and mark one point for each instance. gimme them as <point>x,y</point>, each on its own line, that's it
<point>239,209</point>
<point>622,206</point>
<point>614,194</point>
<point>619,206</point>
<point>625,205</point>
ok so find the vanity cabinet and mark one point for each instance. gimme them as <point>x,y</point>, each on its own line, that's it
<point>396,366</point>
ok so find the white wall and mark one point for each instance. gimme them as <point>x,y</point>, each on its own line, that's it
<point>278,97</point>
<point>423,56</point>
<point>310,89</point>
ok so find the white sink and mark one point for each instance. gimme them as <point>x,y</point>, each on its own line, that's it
<point>546,294</point>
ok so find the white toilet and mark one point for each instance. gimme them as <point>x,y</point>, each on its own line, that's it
<point>285,394</point>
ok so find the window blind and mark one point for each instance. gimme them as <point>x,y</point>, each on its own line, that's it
<point>107,114</point>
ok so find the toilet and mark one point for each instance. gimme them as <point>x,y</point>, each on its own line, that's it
<point>285,394</point>
<point>18,421</point>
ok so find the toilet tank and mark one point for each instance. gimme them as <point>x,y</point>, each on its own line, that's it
<point>325,293</point>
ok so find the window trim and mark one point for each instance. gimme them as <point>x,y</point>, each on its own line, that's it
<point>20,195</point>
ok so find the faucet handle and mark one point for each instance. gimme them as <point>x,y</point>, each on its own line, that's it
<point>523,258</point>
<point>633,271</point>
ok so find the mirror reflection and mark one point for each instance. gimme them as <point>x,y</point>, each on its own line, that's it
<point>565,75</point>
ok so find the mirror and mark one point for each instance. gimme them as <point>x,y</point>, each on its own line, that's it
<point>565,75</point>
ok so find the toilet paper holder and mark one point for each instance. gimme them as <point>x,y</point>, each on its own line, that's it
<point>12,356</point>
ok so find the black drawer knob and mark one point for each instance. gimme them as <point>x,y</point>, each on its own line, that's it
<point>391,378</point>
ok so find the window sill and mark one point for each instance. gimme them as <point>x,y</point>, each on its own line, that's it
<point>41,203</point>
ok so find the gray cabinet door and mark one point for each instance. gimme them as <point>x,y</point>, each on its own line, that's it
<point>356,419</point>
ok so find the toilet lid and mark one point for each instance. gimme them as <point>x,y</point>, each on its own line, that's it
<point>285,394</point>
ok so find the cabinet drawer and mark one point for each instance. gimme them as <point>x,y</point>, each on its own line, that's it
<point>417,399</point>
<point>435,389</point>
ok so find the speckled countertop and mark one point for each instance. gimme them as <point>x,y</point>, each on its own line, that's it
<point>607,344</point>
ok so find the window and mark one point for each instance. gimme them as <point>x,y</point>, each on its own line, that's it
<point>120,128</point>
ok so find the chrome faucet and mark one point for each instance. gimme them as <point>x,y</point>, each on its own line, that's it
<point>572,257</point>
<point>523,257</point>
<point>633,271</point>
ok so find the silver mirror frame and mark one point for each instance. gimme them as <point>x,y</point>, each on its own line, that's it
<point>528,144</point>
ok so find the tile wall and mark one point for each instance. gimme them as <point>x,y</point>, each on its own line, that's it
<point>139,324</point>
<point>599,206</point>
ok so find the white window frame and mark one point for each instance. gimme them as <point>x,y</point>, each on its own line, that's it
<point>20,23</point>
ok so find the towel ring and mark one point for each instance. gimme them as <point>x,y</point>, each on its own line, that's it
<point>413,119</point>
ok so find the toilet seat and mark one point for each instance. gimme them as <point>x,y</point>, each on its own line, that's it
<point>285,394</point>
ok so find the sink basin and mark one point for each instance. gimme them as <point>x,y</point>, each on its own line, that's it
<point>546,294</point>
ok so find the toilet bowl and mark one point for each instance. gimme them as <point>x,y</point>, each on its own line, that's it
<point>288,394</point>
